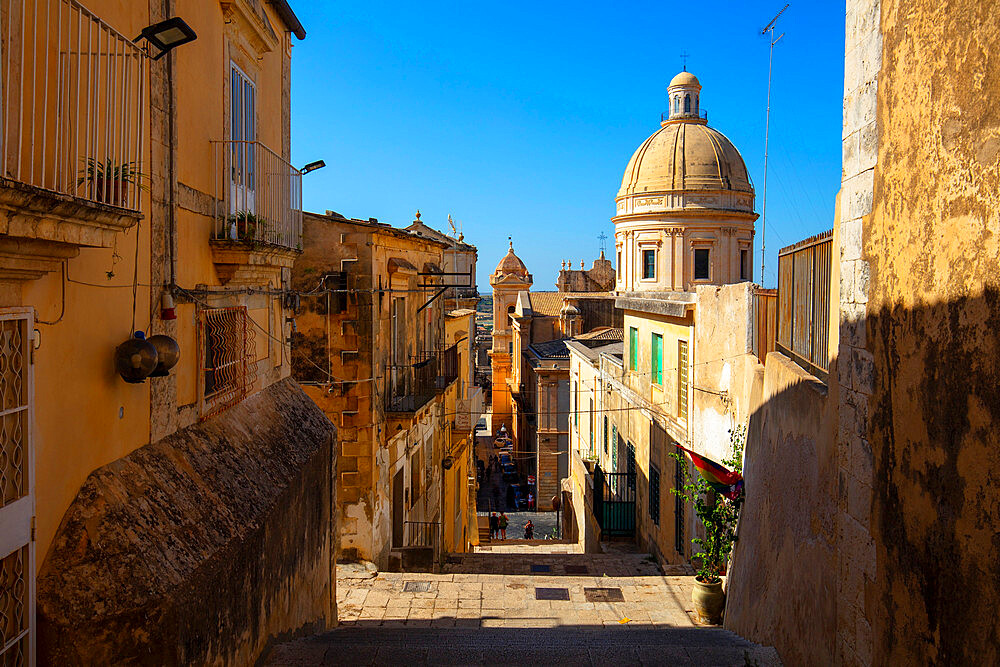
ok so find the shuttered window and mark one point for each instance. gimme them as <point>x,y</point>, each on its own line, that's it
<point>682,379</point>
<point>633,348</point>
<point>657,359</point>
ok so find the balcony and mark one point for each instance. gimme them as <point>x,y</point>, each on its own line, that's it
<point>410,387</point>
<point>72,121</point>
<point>698,113</point>
<point>258,204</point>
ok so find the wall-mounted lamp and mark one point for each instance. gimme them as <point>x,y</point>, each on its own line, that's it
<point>313,166</point>
<point>167,35</point>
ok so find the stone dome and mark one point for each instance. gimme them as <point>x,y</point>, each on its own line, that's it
<point>685,165</point>
<point>511,264</point>
<point>685,156</point>
<point>685,78</point>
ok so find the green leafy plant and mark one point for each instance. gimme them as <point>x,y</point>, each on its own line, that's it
<point>108,182</point>
<point>717,514</point>
<point>248,227</point>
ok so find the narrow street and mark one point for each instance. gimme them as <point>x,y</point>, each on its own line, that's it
<point>520,604</point>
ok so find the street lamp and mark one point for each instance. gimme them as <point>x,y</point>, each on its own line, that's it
<point>312,166</point>
<point>167,35</point>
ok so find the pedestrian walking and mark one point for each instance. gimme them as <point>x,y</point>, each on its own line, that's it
<point>494,525</point>
<point>503,526</point>
<point>529,530</point>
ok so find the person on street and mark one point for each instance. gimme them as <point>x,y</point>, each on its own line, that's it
<point>529,530</point>
<point>531,502</point>
<point>503,526</point>
<point>494,525</point>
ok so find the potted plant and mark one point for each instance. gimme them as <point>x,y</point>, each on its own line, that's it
<point>246,226</point>
<point>718,514</point>
<point>108,182</point>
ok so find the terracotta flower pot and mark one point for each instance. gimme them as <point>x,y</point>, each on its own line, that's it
<point>709,601</point>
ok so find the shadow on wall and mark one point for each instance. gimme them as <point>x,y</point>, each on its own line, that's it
<point>871,530</point>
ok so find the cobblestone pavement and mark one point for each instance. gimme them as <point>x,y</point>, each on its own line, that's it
<point>523,608</point>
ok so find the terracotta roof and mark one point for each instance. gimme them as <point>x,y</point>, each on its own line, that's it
<point>553,349</point>
<point>603,333</point>
<point>550,303</point>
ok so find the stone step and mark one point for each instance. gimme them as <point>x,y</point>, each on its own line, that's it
<point>360,645</point>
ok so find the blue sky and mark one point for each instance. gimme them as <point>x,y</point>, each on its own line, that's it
<point>518,118</point>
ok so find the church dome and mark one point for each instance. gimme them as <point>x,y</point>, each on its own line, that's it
<point>685,78</point>
<point>685,165</point>
<point>511,264</point>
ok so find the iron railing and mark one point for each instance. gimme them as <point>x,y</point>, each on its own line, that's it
<point>410,387</point>
<point>447,367</point>
<point>701,113</point>
<point>227,357</point>
<point>258,195</point>
<point>804,303</point>
<point>421,533</point>
<point>73,102</point>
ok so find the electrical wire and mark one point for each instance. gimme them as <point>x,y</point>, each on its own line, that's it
<point>62,308</point>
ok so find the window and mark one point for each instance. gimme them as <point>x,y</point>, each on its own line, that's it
<point>242,131</point>
<point>682,379</point>
<point>227,342</point>
<point>510,348</point>
<point>677,104</point>
<point>648,264</point>
<point>618,267</point>
<point>701,264</point>
<point>654,494</point>
<point>657,359</point>
<point>633,348</point>
<point>614,448</point>
<point>414,478</point>
<point>744,265</point>
<point>576,406</point>
<point>590,419</point>
<point>630,464</point>
<point>605,435</point>
<point>687,104</point>
<point>679,506</point>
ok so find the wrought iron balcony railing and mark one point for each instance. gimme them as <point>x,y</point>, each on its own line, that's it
<point>258,196</point>
<point>410,387</point>
<point>73,102</point>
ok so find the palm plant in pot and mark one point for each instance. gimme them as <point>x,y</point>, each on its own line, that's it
<point>717,498</point>
<point>108,182</point>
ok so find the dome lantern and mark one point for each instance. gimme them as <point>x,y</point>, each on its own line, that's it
<point>683,96</point>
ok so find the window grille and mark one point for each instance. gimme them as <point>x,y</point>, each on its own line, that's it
<point>654,494</point>
<point>16,489</point>
<point>630,464</point>
<point>682,379</point>
<point>590,420</point>
<point>228,358</point>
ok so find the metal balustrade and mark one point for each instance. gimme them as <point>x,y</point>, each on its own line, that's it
<point>73,102</point>
<point>804,271</point>
<point>258,196</point>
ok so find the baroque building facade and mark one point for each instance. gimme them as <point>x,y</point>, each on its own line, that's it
<point>681,373</point>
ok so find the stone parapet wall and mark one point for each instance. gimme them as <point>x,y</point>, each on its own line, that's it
<point>203,547</point>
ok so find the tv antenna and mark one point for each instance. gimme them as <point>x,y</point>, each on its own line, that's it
<point>769,31</point>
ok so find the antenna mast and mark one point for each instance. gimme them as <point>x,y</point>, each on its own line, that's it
<point>769,28</point>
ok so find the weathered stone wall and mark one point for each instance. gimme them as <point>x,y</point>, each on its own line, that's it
<point>783,580</point>
<point>932,241</point>
<point>202,548</point>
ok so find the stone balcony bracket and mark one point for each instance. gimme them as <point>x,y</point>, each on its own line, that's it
<point>39,229</point>
<point>241,263</point>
